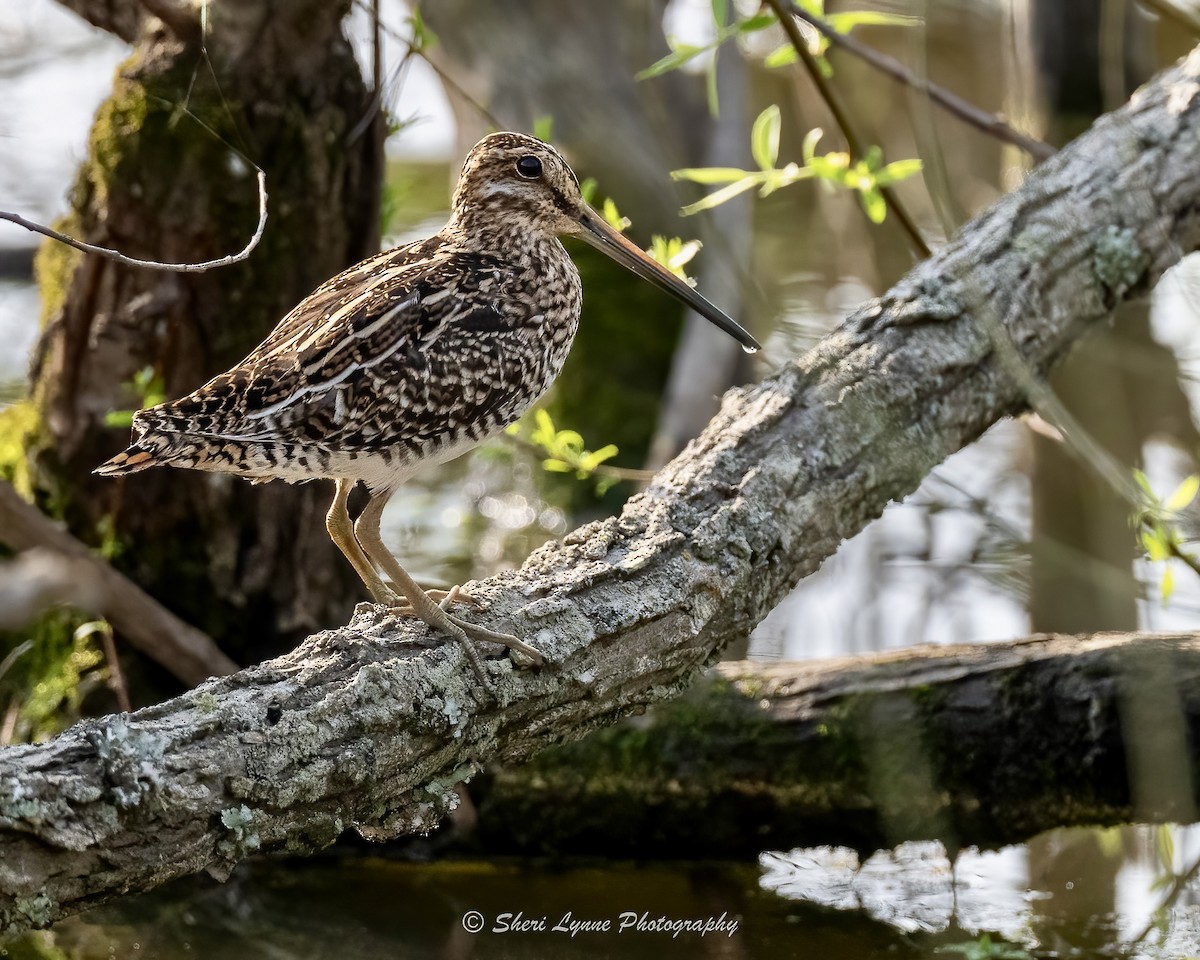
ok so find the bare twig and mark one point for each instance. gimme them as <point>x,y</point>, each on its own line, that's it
<point>966,111</point>
<point>447,81</point>
<point>116,679</point>
<point>154,264</point>
<point>853,141</point>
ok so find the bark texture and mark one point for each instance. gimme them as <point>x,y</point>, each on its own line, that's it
<point>366,728</point>
<point>165,179</point>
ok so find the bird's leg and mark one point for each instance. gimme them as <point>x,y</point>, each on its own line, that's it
<point>341,531</point>
<point>420,605</point>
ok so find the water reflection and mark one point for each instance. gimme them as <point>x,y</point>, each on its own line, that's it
<point>1129,891</point>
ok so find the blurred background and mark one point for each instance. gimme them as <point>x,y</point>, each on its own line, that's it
<point>138,145</point>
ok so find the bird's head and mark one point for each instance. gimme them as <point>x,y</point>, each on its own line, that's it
<point>513,182</point>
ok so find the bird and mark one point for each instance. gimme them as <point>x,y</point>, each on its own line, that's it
<point>411,358</point>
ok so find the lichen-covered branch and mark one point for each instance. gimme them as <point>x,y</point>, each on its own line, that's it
<point>368,727</point>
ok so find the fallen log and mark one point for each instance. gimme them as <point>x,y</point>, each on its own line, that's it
<point>975,745</point>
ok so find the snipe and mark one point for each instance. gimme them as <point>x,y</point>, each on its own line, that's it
<point>411,357</point>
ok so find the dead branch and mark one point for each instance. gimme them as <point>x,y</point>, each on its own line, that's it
<point>64,571</point>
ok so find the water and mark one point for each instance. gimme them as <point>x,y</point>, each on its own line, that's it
<point>1128,892</point>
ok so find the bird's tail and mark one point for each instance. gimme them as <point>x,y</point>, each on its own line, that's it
<point>137,457</point>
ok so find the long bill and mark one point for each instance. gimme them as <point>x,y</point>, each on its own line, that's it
<point>607,240</point>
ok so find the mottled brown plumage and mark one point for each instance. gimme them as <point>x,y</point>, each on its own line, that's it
<point>411,357</point>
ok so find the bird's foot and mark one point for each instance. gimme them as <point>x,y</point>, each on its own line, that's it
<point>443,599</point>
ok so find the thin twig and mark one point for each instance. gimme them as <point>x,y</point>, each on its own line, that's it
<point>446,79</point>
<point>116,679</point>
<point>833,102</point>
<point>154,264</point>
<point>1179,553</point>
<point>952,103</point>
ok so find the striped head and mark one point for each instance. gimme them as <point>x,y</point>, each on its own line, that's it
<point>514,187</point>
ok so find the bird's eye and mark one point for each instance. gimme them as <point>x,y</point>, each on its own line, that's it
<point>529,167</point>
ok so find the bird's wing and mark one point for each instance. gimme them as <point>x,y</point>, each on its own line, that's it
<point>375,357</point>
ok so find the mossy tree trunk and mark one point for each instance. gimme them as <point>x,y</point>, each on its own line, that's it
<point>165,179</point>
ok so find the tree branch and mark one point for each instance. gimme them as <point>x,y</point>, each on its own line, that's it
<point>111,254</point>
<point>87,581</point>
<point>366,727</point>
<point>951,102</point>
<point>834,102</point>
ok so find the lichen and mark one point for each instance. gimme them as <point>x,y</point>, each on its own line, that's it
<point>17,803</point>
<point>205,702</point>
<point>131,759</point>
<point>37,911</point>
<point>1117,260</point>
<point>244,837</point>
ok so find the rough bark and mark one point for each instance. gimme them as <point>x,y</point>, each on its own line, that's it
<point>980,744</point>
<point>164,180</point>
<point>365,727</point>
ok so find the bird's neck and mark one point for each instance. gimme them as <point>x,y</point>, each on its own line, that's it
<point>502,234</point>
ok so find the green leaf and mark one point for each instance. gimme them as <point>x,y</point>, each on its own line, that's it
<point>612,216</point>
<point>896,171</point>
<point>422,37</point>
<point>722,195</point>
<point>569,439</point>
<point>760,21</point>
<point>710,175</point>
<point>543,127</point>
<point>1155,543</point>
<point>1183,495</point>
<point>845,22</point>
<point>764,138</point>
<point>606,452</point>
<point>720,12</point>
<point>874,204</point>
<point>1168,583</point>
<point>1144,482</point>
<point>118,418</point>
<point>811,139</point>
<point>831,166</point>
<point>679,55</point>
<point>588,189</point>
<point>781,57</point>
